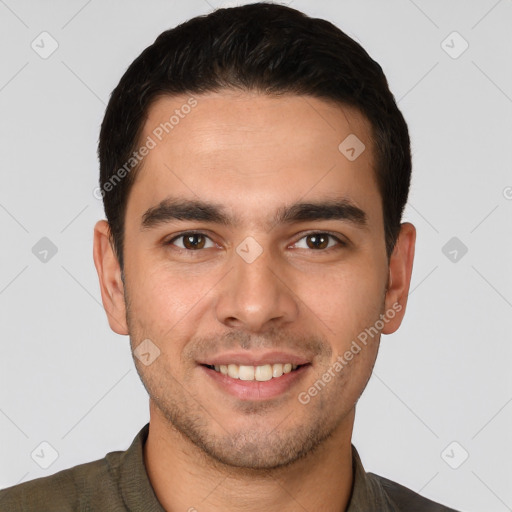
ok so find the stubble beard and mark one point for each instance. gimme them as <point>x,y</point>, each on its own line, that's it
<point>261,447</point>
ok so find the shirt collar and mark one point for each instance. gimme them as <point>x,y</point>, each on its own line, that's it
<point>135,487</point>
<point>367,492</point>
<point>138,494</point>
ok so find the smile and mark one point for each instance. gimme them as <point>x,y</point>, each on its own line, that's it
<point>260,373</point>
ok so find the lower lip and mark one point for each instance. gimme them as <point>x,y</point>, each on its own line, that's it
<point>257,390</point>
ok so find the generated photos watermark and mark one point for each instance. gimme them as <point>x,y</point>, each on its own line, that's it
<point>151,142</point>
<point>343,360</point>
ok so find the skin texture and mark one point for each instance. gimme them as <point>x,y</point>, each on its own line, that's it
<point>253,154</point>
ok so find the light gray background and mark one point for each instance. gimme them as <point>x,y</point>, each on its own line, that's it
<point>444,376</point>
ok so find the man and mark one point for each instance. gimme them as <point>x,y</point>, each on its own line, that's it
<point>254,170</point>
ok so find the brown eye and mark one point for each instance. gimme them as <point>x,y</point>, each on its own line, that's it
<point>317,241</point>
<point>191,241</point>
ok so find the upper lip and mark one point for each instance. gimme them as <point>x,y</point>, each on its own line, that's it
<point>255,359</point>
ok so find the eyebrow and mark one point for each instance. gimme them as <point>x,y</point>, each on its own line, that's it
<point>179,209</point>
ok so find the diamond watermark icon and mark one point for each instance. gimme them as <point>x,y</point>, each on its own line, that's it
<point>44,250</point>
<point>454,455</point>
<point>454,45</point>
<point>146,352</point>
<point>44,45</point>
<point>454,249</point>
<point>44,455</point>
<point>249,249</point>
<point>351,147</point>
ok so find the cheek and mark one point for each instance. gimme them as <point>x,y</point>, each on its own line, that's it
<point>164,301</point>
<point>345,300</point>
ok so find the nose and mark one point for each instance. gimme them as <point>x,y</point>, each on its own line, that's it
<point>257,295</point>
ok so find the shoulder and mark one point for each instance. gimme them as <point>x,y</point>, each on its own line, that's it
<point>68,490</point>
<point>405,499</point>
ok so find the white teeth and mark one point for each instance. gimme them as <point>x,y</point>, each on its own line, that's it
<point>260,373</point>
<point>263,373</point>
<point>233,371</point>
<point>277,370</point>
<point>246,372</point>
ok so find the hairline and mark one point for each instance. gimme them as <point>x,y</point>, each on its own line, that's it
<point>376,157</point>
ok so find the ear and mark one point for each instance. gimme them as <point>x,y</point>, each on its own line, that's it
<point>400,270</point>
<point>109,274</point>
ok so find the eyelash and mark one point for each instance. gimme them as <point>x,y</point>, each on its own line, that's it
<point>340,243</point>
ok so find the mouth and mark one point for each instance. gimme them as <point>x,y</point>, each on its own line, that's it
<point>256,383</point>
<point>261,373</point>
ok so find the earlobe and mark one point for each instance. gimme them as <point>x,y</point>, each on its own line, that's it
<point>399,280</point>
<point>109,275</point>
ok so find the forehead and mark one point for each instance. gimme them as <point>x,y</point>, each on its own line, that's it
<point>244,150</point>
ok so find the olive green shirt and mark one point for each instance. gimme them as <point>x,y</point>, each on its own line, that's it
<point>119,482</point>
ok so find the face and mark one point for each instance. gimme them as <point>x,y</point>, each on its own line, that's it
<point>251,240</point>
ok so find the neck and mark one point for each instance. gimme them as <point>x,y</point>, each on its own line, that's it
<point>185,479</point>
